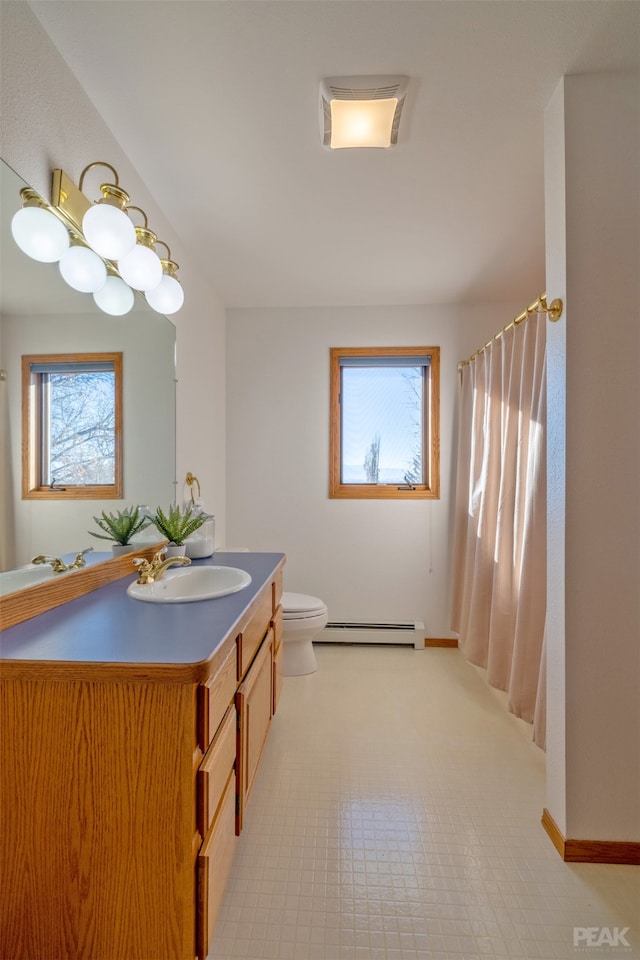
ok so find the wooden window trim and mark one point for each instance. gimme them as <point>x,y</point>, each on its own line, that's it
<point>354,491</point>
<point>31,487</point>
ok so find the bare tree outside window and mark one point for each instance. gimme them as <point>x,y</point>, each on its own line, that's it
<point>72,426</point>
<point>372,460</point>
<point>81,444</point>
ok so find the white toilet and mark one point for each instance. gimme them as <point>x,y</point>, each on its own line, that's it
<point>303,618</point>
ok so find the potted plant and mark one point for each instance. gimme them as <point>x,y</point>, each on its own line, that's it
<point>121,527</point>
<point>178,524</point>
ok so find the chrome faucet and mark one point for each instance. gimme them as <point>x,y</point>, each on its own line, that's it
<point>59,566</point>
<point>149,572</point>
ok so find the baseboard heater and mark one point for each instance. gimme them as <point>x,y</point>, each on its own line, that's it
<point>407,632</point>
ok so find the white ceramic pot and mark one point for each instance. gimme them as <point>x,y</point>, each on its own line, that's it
<point>118,549</point>
<point>175,550</point>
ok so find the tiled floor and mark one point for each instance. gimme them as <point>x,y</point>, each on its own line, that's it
<point>397,817</point>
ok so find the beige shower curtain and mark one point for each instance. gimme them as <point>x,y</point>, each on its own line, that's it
<point>499,593</point>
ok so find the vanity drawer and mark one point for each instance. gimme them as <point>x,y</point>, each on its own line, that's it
<point>214,697</point>
<point>214,770</point>
<point>213,866</point>
<point>251,638</point>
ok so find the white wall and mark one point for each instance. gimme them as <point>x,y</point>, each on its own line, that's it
<point>369,559</point>
<point>593,254</point>
<point>47,122</point>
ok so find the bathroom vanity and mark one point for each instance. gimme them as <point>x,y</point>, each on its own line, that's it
<point>131,739</point>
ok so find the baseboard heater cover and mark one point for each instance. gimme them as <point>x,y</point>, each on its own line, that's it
<point>410,632</point>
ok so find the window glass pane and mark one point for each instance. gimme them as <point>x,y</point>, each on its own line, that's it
<point>78,428</point>
<point>382,428</point>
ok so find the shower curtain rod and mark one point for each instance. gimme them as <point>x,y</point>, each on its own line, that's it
<point>554,310</point>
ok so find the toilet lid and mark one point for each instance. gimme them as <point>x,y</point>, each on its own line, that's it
<point>297,605</point>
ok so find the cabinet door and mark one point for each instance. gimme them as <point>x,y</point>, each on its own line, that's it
<point>214,771</point>
<point>214,697</point>
<point>278,650</point>
<point>254,703</point>
<point>214,863</point>
<point>251,637</point>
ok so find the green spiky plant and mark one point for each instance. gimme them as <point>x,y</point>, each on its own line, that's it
<point>121,526</point>
<point>178,523</point>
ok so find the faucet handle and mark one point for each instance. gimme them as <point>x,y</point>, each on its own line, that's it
<point>80,560</point>
<point>57,565</point>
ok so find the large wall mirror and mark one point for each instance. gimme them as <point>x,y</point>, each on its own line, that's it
<point>40,314</point>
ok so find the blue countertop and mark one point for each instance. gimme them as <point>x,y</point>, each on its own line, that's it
<point>109,627</point>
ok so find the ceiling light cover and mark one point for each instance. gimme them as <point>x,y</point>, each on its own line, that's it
<point>361,111</point>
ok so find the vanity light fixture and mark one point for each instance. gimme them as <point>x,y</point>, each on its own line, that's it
<point>115,298</point>
<point>98,247</point>
<point>141,267</point>
<point>37,230</point>
<point>106,226</point>
<point>361,111</point>
<point>82,268</point>
<point>168,296</point>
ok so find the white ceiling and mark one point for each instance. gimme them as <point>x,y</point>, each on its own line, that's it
<point>216,104</point>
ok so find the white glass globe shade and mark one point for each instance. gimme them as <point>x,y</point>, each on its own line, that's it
<point>115,298</point>
<point>83,270</point>
<point>167,297</point>
<point>40,234</point>
<point>109,231</point>
<point>141,268</point>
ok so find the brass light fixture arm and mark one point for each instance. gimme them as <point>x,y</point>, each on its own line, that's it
<point>140,210</point>
<point>98,163</point>
<point>168,264</point>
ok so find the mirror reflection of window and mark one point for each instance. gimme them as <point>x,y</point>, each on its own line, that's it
<point>72,426</point>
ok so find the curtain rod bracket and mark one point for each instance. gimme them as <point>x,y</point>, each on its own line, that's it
<point>555,309</point>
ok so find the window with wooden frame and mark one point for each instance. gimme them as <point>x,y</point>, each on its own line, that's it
<point>384,423</point>
<point>72,426</point>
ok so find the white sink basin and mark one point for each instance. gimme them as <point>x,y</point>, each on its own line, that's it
<point>190,584</point>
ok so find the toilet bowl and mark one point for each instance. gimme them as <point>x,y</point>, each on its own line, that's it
<point>303,617</point>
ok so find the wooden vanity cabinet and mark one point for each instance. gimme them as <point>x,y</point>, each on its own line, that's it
<point>254,706</point>
<point>122,795</point>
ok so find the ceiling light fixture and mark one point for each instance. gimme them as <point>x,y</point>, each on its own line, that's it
<point>361,111</point>
<point>99,249</point>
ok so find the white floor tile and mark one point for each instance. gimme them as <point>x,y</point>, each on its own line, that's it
<point>396,816</point>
